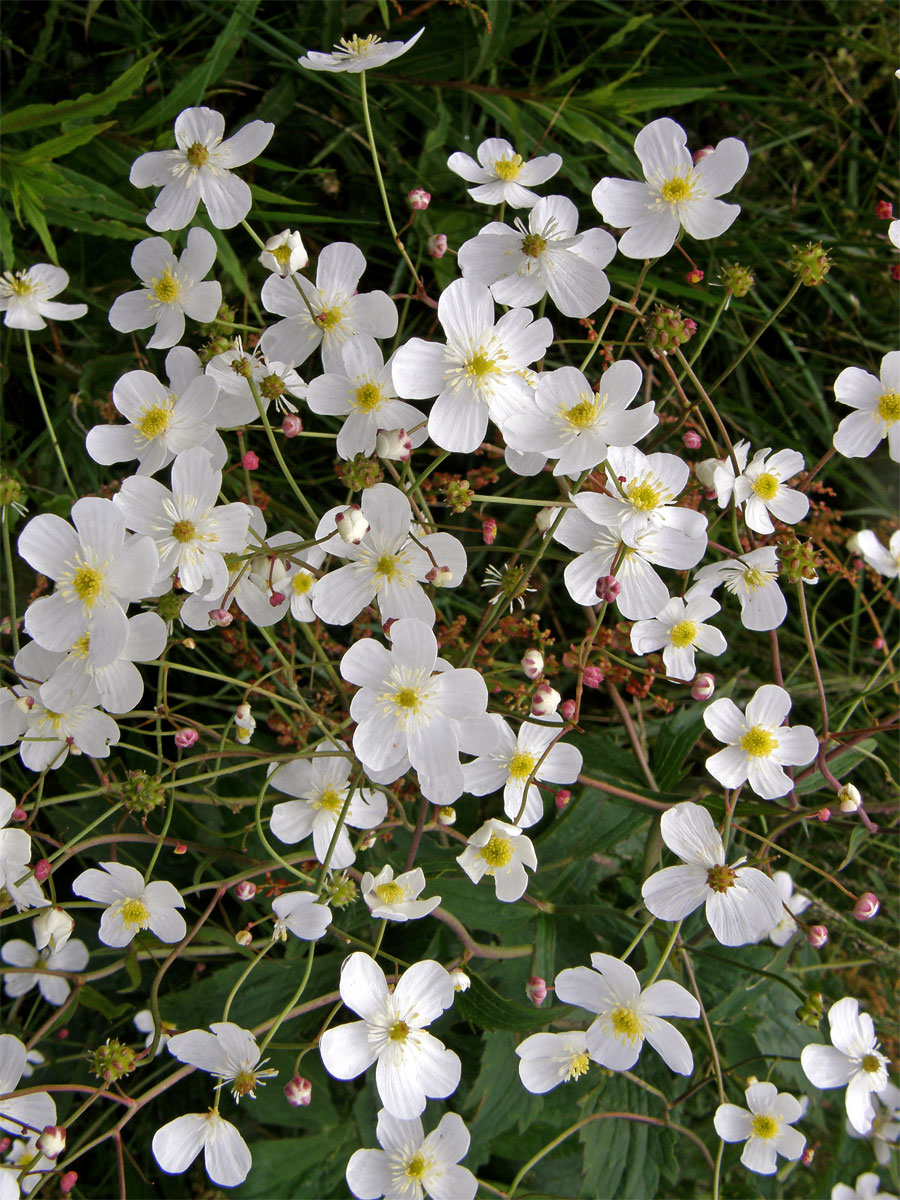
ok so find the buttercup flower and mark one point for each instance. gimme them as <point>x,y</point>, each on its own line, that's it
<point>549,1059</point>
<point>765,1128</point>
<point>853,1060</point>
<point>762,492</point>
<point>357,54</point>
<point>394,899</point>
<point>411,1165</point>
<point>229,1052</point>
<point>132,904</point>
<point>678,630</point>
<point>26,297</point>
<point>225,1155</point>
<point>758,744</point>
<point>877,404</point>
<point>503,852</point>
<point>502,175</point>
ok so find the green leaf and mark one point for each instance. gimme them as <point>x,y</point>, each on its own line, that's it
<point>32,116</point>
<point>487,1009</point>
<point>91,998</point>
<point>45,152</point>
<point>676,738</point>
<point>303,1166</point>
<point>859,835</point>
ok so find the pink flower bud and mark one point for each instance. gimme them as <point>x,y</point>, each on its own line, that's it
<point>607,588</point>
<point>418,199</point>
<point>245,890</point>
<point>439,576</point>
<point>220,616</point>
<point>692,439</point>
<point>185,738</point>
<point>807,1156</point>
<point>563,796</point>
<point>884,210</point>
<point>895,272</point>
<point>18,814</point>
<point>878,644</point>
<point>352,525</point>
<point>489,531</point>
<point>437,245</point>
<point>298,1092</point>
<point>546,700</point>
<point>536,989</point>
<point>68,1181</point>
<point>823,815</point>
<point>5,1144</point>
<point>864,910</point>
<point>695,275</point>
<point>52,1141</point>
<point>817,936</point>
<point>567,710</point>
<point>250,461</point>
<point>702,153</point>
<point>592,677</point>
<point>180,848</point>
<point>42,869</point>
<point>703,686</point>
<point>291,425</point>
<point>276,598</point>
<point>62,1034</point>
<point>395,444</point>
<point>533,663</point>
<point>25,704</point>
<point>243,937</point>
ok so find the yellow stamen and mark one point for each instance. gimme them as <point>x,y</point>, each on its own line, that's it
<point>521,765</point>
<point>390,893</point>
<point>497,852</point>
<point>683,634</point>
<point>87,583</point>
<point>154,421</point>
<point>302,582</point>
<point>330,800</point>
<point>765,486</point>
<point>508,168</point>
<point>764,1127</point>
<point>416,1168</point>
<point>387,567</point>
<point>673,191</point>
<point>328,319</point>
<point>407,698</point>
<point>478,365</point>
<point>644,496</point>
<point>583,414</point>
<point>184,531</point>
<point>166,288</point>
<point>577,1067</point>
<point>399,1031</point>
<point>197,154</point>
<point>368,396</point>
<point>758,742</point>
<point>135,914</point>
<point>888,408</point>
<point>626,1024</point>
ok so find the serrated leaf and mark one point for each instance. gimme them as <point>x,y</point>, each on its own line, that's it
<point>32,116</point>
<point>487,1009</point>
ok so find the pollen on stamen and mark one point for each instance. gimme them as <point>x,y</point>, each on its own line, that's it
<point>521,765</point>
<point>683,633</point>
<point>673,191</point>
<point>368,397</point>
<point>765,486</point>
<point>626,1023</point>
<point>583,414</point>
<point>497,853</point>
<point>87,583</point>
<point>154,421</point>
<point>758,742</point>
<point>390,893</point>
<point>888,407</point>
<point>166,288</point>
<point>764,1127</point>
<point>577,1067</point>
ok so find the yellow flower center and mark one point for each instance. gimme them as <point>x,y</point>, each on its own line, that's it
<point>583,414</point>
<point>889,407</point>
<point>82,646</point>
<point>387,567</point>
<point>508,168</point>
<point>243,1084</point>
<point>135,914</point>
<point>368,397</point>
<point>497,852</point>
<point>87,583</point>
<point>197,154</point>
<point>720,879</point>
<point>407,698</point>
<point>399,1031</point>
<point>154,421</point>
<point>330,800</point>
<point>19,283</point>
<point>521,765</point>
<point>359,46</point>
<point>166,288</point>
<point>765,486</point>
<point>478,365</point>
<point>673,191</point>
<point>416,1167</point>
<point>577,1067</point>
<point>871,1064</point>
<point>764,1127</point>
<point>282,254</point>
<point>644,496</point>
<point>683,634</point>
<point>328,319</point>
<point>302,582</point>
<point>754,578</point>
<point>390,893</point>
<point>184,531</point>
<point>55,718</point>
<point>758,742</point>
<point>533,245</point>
<point>626,1023</point>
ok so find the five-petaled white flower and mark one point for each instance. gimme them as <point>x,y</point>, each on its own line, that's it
<point>200,169</point>
<point>766,1128</point>
<point>132,905</point>
<point>301,914</point>
<point>229,1052</point>
<point>72,957</point>
<point>742,903</point>
<point>501,851</point>
<point>679,631</point>
<point>26,297</point>
<point>549,1059</point>
<point>760,488</point>
<point>676,193</point>
<point>868,1185</point>
<point>877,404</point>
<point>757,743</point>
<point>233,371</point>
<point>357,54</point>
<point>411,1064</point>
<point>753,578</point>
<point>502,175</point>
<point>795,903</point>
<point>854,1061</point>
<point>225,1154</point>
<point>394,898</point>
<point>627,1016</point>
<point>411,1165</point>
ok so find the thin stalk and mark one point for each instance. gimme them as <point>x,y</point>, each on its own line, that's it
<point>10,578</point>
<point>276,450</point>
<point>47,421</point>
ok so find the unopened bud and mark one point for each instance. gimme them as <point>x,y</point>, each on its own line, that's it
<point>461,981</point>
<point>243,937</point>
<point>18,814</point>
<point>533,663</point>
<point>488,531</point>
<point>367,841</point>
<point>25,704</point>
<point>607,588</point>
<point>546,700</point>
<point>563,796</point>
<point>850,798</point>
<point>703,686</point>
<point>691,439</point>
<point>220,616</point>
<point>245,890</point>
<point>395,444</point>
<point>864,910</point>
<point>42,869</point>
<point>291,426</point>
<point>352,525</point>
<point>185,738</point>
<point>592,677</point>
<point>536,989</point>
<point>52,1141</point>
<point>884,210</point>
<point>703,152</point>
<point>250,461</point>
<point>807,1156</point>
<point>298,1091</point>
<point>179,848</point>
<point>446,815</point>
<point>52,927</point>
<point>439,576</point>
<point>823,815</point>
<point>284,253</point>
<point>68,1181</point>
<point>436,245</point>
<point>418,199</point>
<point>567,710</point>
<point>695,275</point>
<point>817,936</point>
<point>276,598</point>
<point>545,518</point>
<point>189,643</point>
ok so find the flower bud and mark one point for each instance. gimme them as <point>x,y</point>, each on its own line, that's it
<point>533,663</point>
<point>185,738</point>
<point>179,848</point>
<point>865,908</point>
<point>691,440</point>
<point>446,815</point>
<point>291,425</point>
<point>439,576</point>
<point>461,981</point>
<point>703,686</point>
<point>25,704</point>
<point>488,531</point>
<point>68,1181</point>
<point>244,723</point>
<point>352,525</point>
<point>220,616</point>
<point>850,798</point>
<point>592,677</point>
<point>823,815</point>
<point>418,199</point>
<point>243,937</point>
<point>817,936</point>
<point>18,814</point>
<point>607,588</point>
<point>284,253</point>
<point>808,1155</point>
<point>245,890</point>
<point>436,245</point>
<point>52,927</point>
<point>250,461</point>
<point>395,444</point>
<point>695,275</point>
<point>567,710</point>
<point>276,598</point>
<point>42,869</point>
<point>884,210</point>
<point>563,796</point>
<point>52,1141</point>
<point>895,272</point>
<point>546,517</point>
<point>536,990</point>
<point>703,152</point>
<point>298,1091</point>
<point>546,700</point>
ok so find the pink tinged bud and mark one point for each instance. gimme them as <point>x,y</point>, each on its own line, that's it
<point>395,444</point>
<point>298,1092</point>
<point>878,644</point>
<point>418,199</point>
<point>850,798</point>
<point>386,627</point>
<point>220,616</point>
<point>692,440</point>
<point>817,936</point>
<point>437,245</point>
<point>695,275</point>
<point>864,910</point>
<point>25,704</point>
<point>5,1144</point>
<point>702,153</point>
<point>884,210</point>
<point>439,576</point>
<point>68,1181</point>
<point>18,814</point>
<point>546,700</point>
<point>823,815</point>
<point>545,518</point>
<point>536,989</point>
<point>250,461</point>
<point>567,710</point>
<point>245,890</point>
<point>703,686</point>
<point>243,937</point>
<point>808,1155</point>
<point>291,425</point>
<point>563,796</point>
<point>533,663</point>
<point>181,848</point>
<point>276,598</point>
<point>489,531</point>
<point>62,1034</point>
<point>352,525</point>
<point>52,1141</point>
<point>42,869</point>
<point>607,588</point>
<point>592,677</point>
<point>185,738</point>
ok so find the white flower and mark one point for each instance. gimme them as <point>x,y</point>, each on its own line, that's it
<point>717,474</point>
<point>143,1022</point>
<point>676,193</point>
<point>406,707</point>
<point>766,1128</point>
<point>501,174</point>
<point>363,391</point>
<point>548,1059</point>
<point>172,287</point>
<point>480,370</point>
<point>229,1052</point>
<point>20,1114</point>
<point>761,490</point>
<point>411,1165</point>
<point>752,578</point>
<point>340,311</point>
<point>22,1155</point>
<point>885,1131</point>
<point>284,253</point>
<point>626,1016</point>
<point>647,486</point>
<point>200,169</point>
<point>321,785</point>
<point>302,915</point>
<point>853,1060</point>
<point>395,899</point>
<point>742,903</point>
<point>98,571</point>
<point>507,760</point>
<point>225,1154</point>
<point>521,266</point>
<point>357,54</point>
<point>190,531</point>
<point>678,630</point>
<point>52,928</point>
<point>566,419</point>
<point>132,905</point>
<point>412,1065</point>
<point>236,405</point>
<point>757,742</point>
<point>54,988</point>
<point>877,402</point>
<point>25,297</point>
<point>15,854</point>
<point>868,1185</point>
<point>161,421</point>
<point>503,852</point>
<point>885,561</point>
<point>796,904</point>
<point>385,563</point>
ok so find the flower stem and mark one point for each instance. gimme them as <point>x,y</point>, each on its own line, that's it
<point>10,579</point>
<point>47,421</point>
<point>276,450</point>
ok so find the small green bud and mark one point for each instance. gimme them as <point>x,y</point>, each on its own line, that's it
<point>112,1061</point>
<point>737,280</point>
<point>459,495</point>
<point>810,264</point>
<point>665,329</point>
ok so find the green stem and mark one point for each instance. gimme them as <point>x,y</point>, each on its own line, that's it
<point>282,1016</point>
<point>276,450</point>
<point>762,329</point>
<point>665,954</point>
<point>47,421</point>
<point>242,977</point>
<point>10,579</point>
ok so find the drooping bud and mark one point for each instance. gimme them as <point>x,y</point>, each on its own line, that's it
<point>691,439</point>
<point>461,981</point>
<point>220,616</point>
<point>52,928</point>
<point>277,598</point>
<point>185,738</point>
<point>250,461</point>
<point>536,990</point>
<point>352,525</point>
<point>817,936</point>
<point>52,1141</point>
<point>245,890</point>
<point>298,1091</point>
<point>567,710</point>
<point>823,815</point>
<point>546,517</point>
<point>394,444</point>
<point>807,1156</point>
<point>436,246</point>
<point>810,264</point>
<point>866,906</point>
<point>607,588</point>
<point>703,152</point>
<point>42,870</point>
<point>418,199</point>
<point>592,677</point>
<point>67,1182</point>
<point>563,796</point>
<point>703,686</point>
<point>291,426</point>
<point>850,798</point>
<point>244,723</point>
<point>446,815</point>
<point>545,701</point>
<point>665,329</point>
<point>533,663</point>
<point>243,937</point>
<point>488,531</point>
<point>695,275</point>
